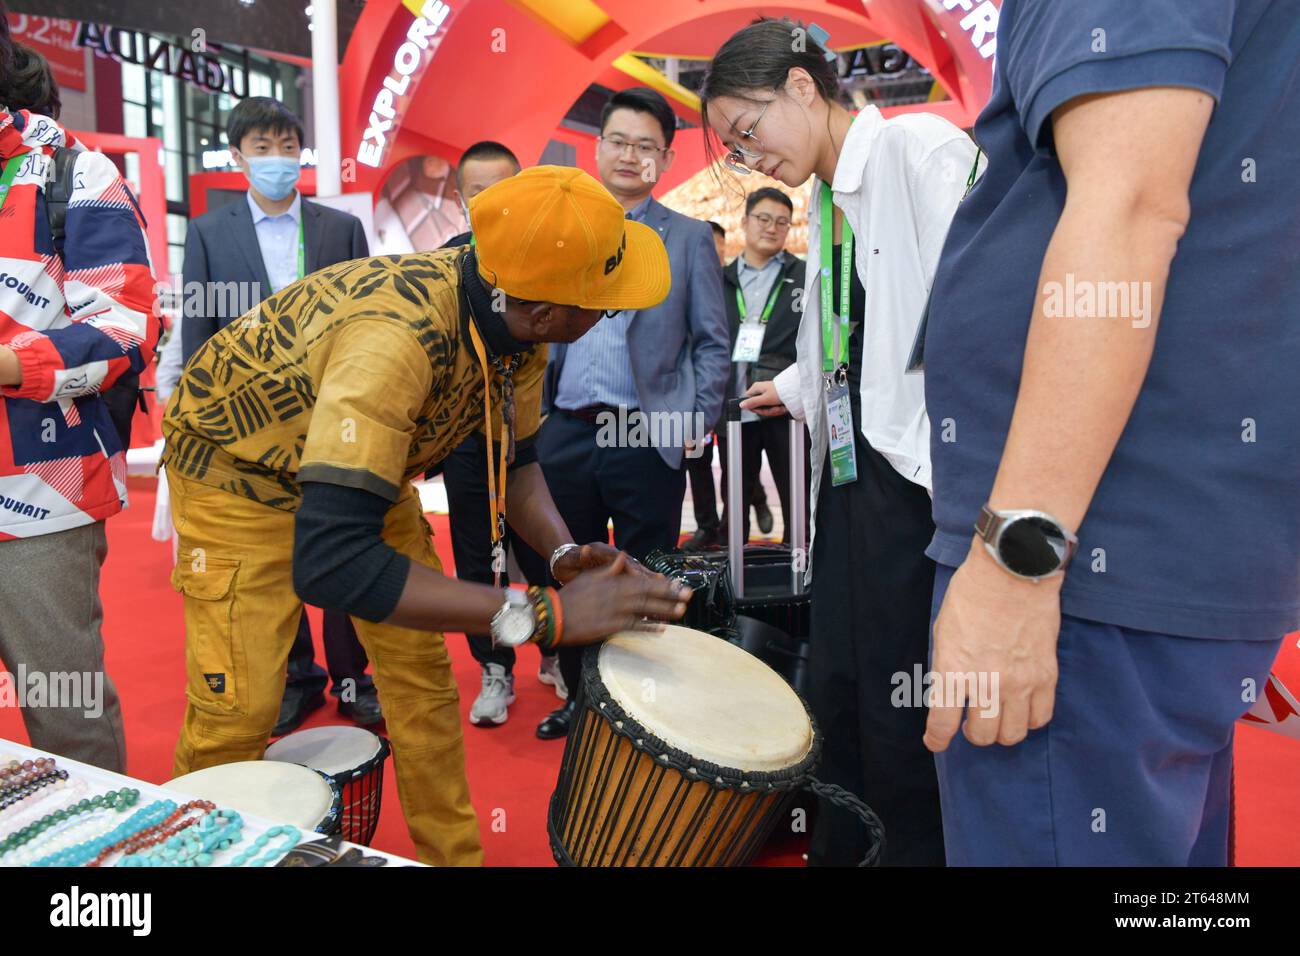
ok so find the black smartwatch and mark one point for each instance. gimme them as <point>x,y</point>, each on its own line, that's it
<point>1029,544</point>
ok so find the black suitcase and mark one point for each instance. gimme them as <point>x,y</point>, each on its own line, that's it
<point>759,602</point>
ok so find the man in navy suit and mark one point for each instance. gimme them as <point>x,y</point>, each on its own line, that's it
<point>640,391</point>
<point>239,255</point>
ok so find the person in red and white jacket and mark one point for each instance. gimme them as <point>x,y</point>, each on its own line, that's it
<point>71,324</point>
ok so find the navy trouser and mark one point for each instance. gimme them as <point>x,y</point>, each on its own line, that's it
<point>1134,768</point>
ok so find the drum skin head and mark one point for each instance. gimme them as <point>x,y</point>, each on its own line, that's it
<point>706,697</point>
<point>281,792</point>
<point>331,750</point>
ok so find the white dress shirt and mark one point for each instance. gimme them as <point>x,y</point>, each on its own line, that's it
<point>898,183</point>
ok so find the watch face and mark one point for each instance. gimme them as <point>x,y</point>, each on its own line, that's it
<point>517,626</point>
<point>1032,547</point>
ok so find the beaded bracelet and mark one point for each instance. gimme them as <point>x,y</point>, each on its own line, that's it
<point>152,836</point>
<point>116,800</point>
<point>292,835</point>
<point>85,852</point>
<point>17,813</point>
<point>550,617</point>
<point>72,831</point>
<point>17,775</point>
<point>196,846</point>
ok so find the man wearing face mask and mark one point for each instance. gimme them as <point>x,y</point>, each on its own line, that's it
<point>235,258</point>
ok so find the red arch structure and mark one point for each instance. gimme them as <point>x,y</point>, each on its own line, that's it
<point>430,77</point>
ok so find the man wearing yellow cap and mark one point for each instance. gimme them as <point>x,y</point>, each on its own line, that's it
<point>292,440</point>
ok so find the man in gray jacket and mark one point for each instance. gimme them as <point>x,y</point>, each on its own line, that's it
<point>635,395</point>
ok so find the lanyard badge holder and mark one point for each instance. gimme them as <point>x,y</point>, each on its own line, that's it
<point>497,471</point>
<point>749,340</point>
<point>835,347</point>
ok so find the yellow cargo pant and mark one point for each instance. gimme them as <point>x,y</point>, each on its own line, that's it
<point>235,569</point>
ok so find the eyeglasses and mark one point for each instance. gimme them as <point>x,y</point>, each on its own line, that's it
<point>643,149</point>
<point>767,221</point>
<point>735,160</point>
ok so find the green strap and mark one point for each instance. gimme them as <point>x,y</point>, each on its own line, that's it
<point>7,177</point>
<point>771,300</point>
<point>302,250</point>
<point>835,323</point>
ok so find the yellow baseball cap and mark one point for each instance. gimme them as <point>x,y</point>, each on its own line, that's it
<point>555,234</point>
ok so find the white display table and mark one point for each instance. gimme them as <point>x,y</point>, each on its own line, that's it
<point>101,781</point>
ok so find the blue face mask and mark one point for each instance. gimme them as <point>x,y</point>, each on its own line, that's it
<point>273,176</point>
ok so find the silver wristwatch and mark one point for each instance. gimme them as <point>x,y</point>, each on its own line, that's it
<point>1029,544</point>
<point>515,623</point>
<point>560,552</point>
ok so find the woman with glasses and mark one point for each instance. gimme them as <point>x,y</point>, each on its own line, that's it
<point>883,195</point>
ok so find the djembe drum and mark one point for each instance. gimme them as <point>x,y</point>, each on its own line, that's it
<point>278,792</point>
<point>354,759</point>
<point>685,751</point>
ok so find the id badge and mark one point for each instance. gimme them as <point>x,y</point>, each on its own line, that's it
<point>839,419</point>
<point>749,343</point>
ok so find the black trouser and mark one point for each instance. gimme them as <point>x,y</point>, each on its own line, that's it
<point>773,436</point>
<point>464,473</point>
<point>591,485</point>
<point>703,496</point>
<point>871,595</point>
<point>343,653</point>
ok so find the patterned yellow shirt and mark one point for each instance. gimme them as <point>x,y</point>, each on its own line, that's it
<point>361,374</point>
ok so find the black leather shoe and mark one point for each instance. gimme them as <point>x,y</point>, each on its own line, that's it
<point>763,515</point>
<point>557,722</point>
<point>364,711</point>
<point>703,538</point>
<point>294,710</point>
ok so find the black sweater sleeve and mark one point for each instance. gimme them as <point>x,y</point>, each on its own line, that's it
<point>340,560</point>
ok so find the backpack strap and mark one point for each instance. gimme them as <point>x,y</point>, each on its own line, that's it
<point>58,191</point>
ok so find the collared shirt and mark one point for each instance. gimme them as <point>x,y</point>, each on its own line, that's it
<point>277,236</point>
<point>904,228</point>
<point>598,368</point>
<point>755,286</point>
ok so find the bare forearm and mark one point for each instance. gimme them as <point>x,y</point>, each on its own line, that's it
<point>531,512</point>
<point>431,601</point>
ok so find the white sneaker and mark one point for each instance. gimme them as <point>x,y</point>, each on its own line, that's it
<point>498,693</point>
<point>549,673</point>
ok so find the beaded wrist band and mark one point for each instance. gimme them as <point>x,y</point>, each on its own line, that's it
<point>117,800</point>
<point>152,836</point>
<point>550,616</point>
<point>57,796</point>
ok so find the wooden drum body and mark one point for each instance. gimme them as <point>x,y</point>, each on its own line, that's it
<point>685,751</point>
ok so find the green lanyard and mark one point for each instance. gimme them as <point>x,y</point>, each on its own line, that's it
<point>767,309</point>
<point>302,251</point>
<point>8,176</point>
<point>835,325</point>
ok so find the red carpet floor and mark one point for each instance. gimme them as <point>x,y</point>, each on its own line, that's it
<point>511,772</point>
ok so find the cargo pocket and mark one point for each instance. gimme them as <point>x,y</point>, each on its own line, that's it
<point>214,647</point>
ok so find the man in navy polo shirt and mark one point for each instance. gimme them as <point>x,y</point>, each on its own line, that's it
<point>1112,353</point>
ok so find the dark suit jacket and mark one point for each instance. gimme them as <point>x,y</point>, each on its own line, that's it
<point>221,247</point>
<point>678,348</point>
<point>782,326</point>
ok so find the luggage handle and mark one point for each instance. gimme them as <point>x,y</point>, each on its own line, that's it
<point>840,797</point>
<point>736,513</point>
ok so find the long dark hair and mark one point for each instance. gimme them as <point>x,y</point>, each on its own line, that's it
<point>760,57</point>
